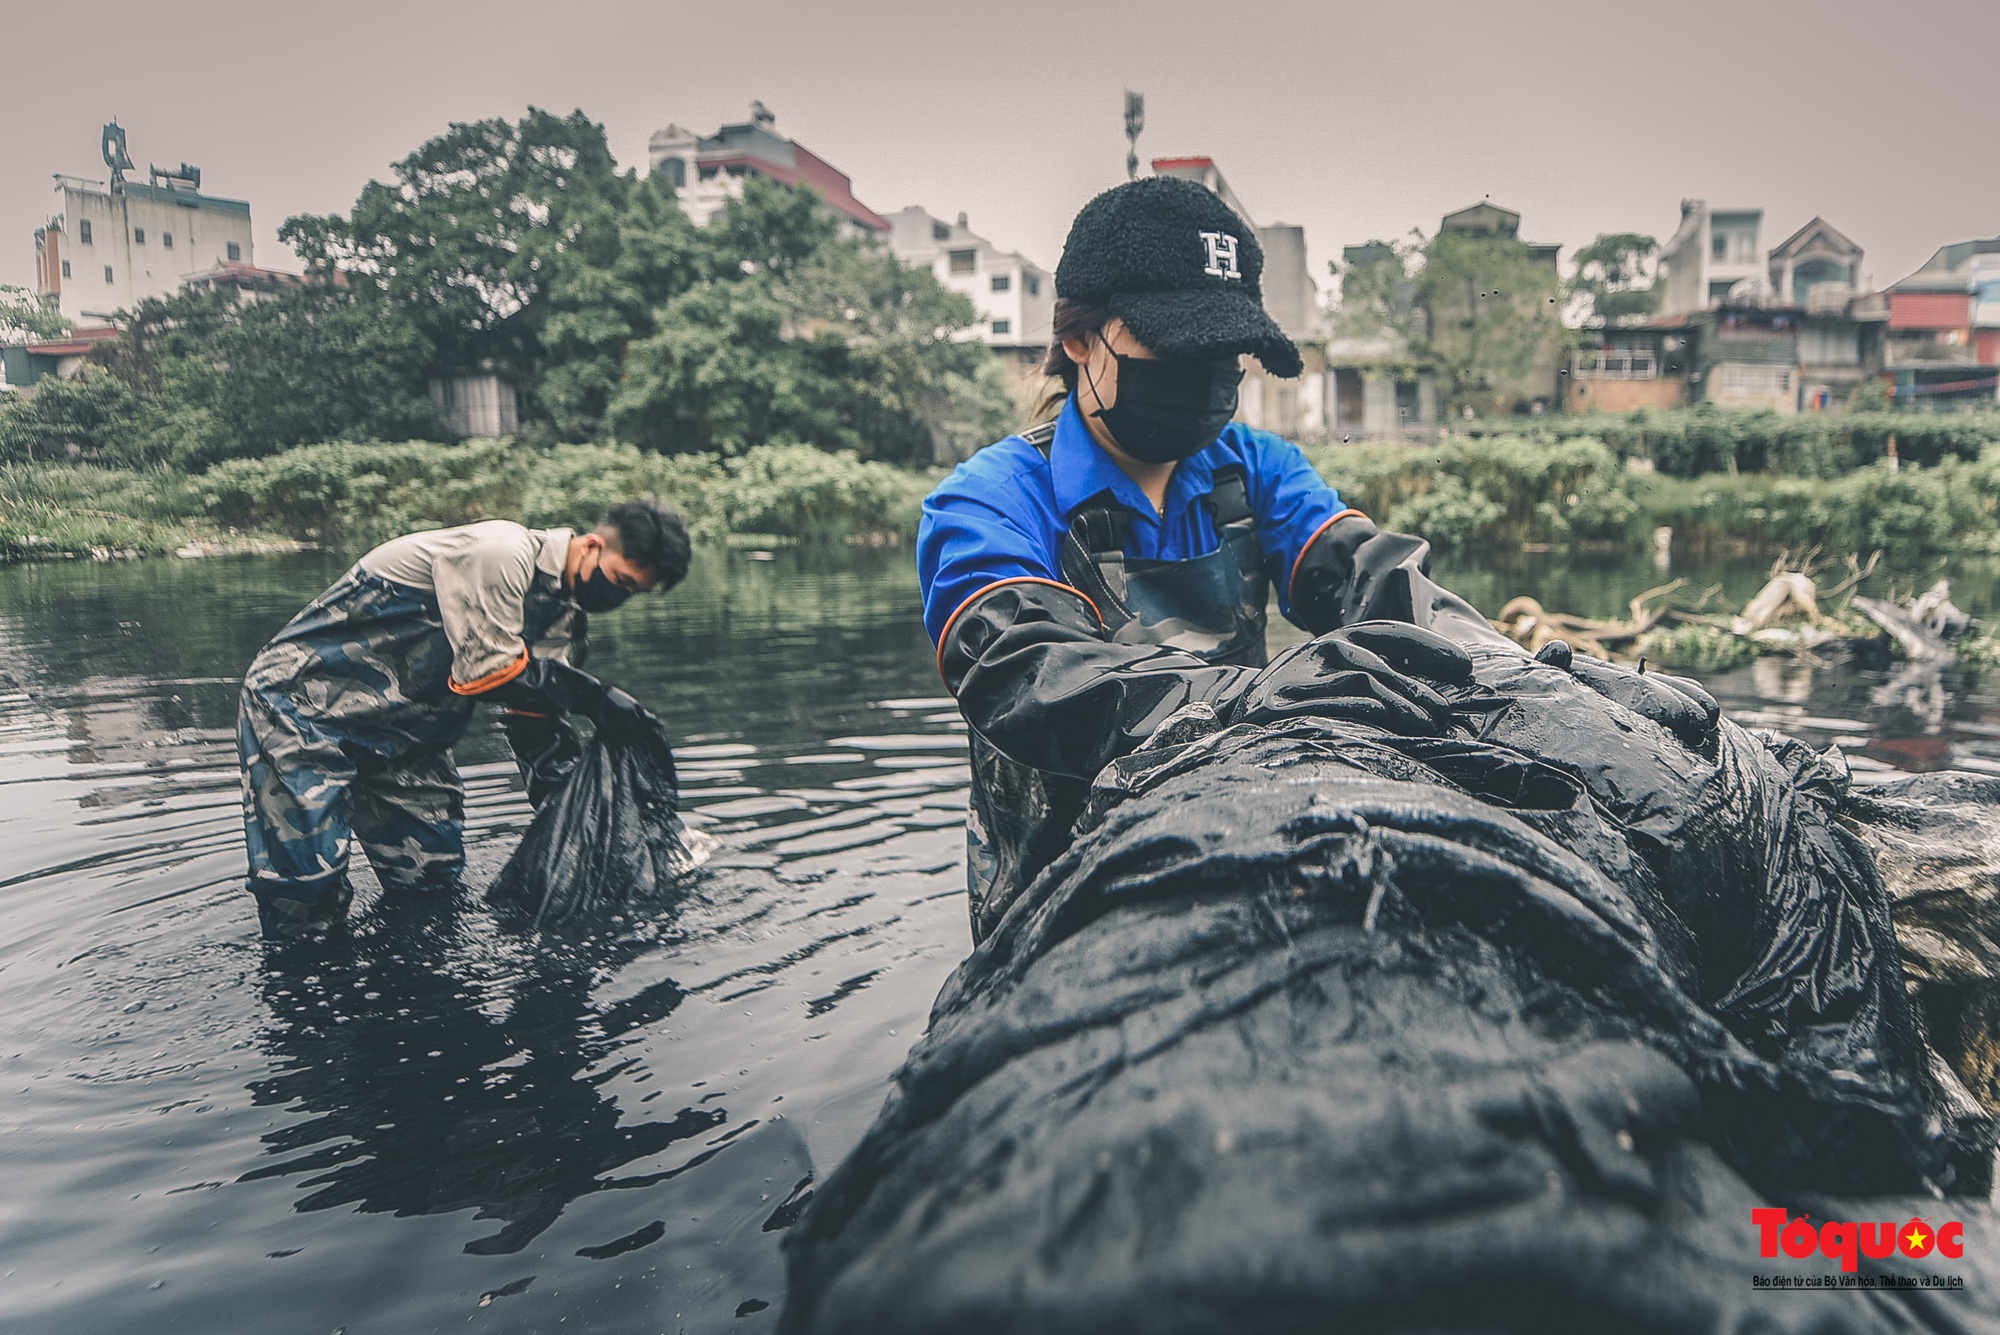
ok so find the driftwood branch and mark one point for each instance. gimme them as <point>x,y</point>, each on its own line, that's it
<point>1785,615</point>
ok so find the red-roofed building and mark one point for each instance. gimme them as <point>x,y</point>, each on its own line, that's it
<point>1943,341</point>
<point>707,172</point>
<point>247,282</point>
<point>1203,172</point>
<point>22,364</point>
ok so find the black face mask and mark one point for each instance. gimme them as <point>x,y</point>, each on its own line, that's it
<point>1168,410</point>
<point>598,593</point>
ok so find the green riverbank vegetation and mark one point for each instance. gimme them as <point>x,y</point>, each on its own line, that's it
<point>1472,492</point>
<point>1463,494</point>
<point>350,496</point>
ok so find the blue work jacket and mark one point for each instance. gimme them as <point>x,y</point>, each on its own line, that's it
<point>1002,514</point>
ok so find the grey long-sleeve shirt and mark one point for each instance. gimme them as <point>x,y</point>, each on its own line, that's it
<point>481,575</point>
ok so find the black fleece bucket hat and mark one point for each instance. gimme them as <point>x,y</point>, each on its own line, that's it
<point>1179,267</point>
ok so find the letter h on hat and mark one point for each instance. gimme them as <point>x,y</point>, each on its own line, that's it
<point>1180,268</point>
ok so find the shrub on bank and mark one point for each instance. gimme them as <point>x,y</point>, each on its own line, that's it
<point>1691,442</point>
<point>351,496</point>
<point>790,492</point>
<point>1461,493</point>
<point>1904,512</point>
<point>354,495</point>
<point>1506,490</point>
<point>73,509</point>
<point>1467,492</point>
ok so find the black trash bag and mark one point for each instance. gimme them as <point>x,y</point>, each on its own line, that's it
<point>1316,1027</point>
<point>612,837</point>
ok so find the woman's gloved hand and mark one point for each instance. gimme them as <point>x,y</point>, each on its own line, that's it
<point>1677,704</point>
<point>1034,675</point>
<point>1375,672</point>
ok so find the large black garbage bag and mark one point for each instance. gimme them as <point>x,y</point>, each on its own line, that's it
<point>1319,1027</point>
<point>611,837</point>
<point>1936,838</point>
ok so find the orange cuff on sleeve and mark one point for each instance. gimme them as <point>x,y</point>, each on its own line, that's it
<point>498,677</point>
<point>952,620</point>
<point>1293,578</point>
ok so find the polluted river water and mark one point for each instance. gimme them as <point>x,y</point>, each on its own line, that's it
<point>441,1123</point>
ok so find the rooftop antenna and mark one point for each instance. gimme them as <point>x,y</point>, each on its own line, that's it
<point>1135,121</point>
<point>115,157</point>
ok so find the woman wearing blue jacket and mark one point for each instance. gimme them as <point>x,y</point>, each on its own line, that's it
<point>1087,579</point>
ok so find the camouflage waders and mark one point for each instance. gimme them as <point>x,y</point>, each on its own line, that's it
<point>345,727</point>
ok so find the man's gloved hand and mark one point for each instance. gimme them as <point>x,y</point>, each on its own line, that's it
<point>549,685</point>
<point>1677,704</point>
<point>1374,672</point>
<point>625,717</point>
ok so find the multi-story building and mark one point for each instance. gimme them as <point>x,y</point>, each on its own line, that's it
<point>1739,354</point>
<point>1489,219</point>
<point>1376,386</point>
<point>1617,370</point>
<point>1746,355</point>
<point>1013,295</point>
<point>1943,338</point>
<point>1793,329</point>
<point>1816,268</point>
<point>707,171</point>
<point>116,243</point>
<point>1713,257</point>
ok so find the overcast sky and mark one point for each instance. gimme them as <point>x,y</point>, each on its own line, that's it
<point>1357,120</point>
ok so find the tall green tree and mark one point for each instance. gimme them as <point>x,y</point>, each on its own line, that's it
<point>467,234</point>
<point>1495,328</point>
<point>94,416</point>
<point>1613,280</point>
<point>795,332</point>
<point>215,379</point>
<point>519,245</point>
<point>314,364</point>
<point>627,260</point>
<point>1378,293</point>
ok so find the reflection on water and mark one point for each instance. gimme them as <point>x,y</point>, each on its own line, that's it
<point>423,1080</point>
<point>437,1121</point>
<point>434,1119</point>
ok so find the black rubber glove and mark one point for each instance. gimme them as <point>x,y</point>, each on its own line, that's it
<point>545,748</point>
<point>1034,676</point>
<point>551,686</point>
<point>1353,572</point>
<point>1677,704</point>
<point>1369,673</point>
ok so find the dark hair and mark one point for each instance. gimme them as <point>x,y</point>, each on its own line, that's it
<point>1072,319</point>
<point>652,537</point>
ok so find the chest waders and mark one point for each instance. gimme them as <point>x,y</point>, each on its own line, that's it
<point>345,729</point>
<point>1018,819</point>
